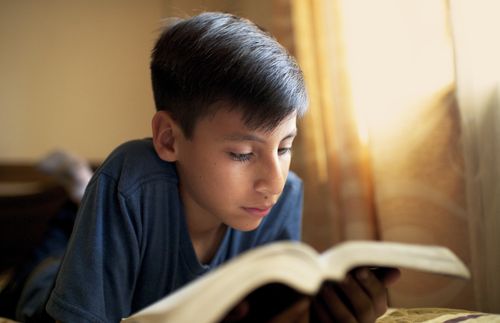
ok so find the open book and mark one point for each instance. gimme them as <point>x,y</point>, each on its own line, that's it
<point>292,264</point>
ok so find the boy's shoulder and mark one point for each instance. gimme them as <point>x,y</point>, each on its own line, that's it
<point>294,188</point>
<point>294,180</point>
<point>135,162</point>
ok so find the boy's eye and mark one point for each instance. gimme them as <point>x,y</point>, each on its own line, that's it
<point>240,157</point>
<point>283,151</point>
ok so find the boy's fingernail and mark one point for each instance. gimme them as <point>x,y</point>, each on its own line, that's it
<point>362,274</point>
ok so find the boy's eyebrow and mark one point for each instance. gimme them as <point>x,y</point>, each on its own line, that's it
<point>252,137</point>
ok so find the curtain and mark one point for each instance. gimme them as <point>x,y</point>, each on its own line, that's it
<point>475,28</point>
<point>330,155</point>
<point>388,150</point>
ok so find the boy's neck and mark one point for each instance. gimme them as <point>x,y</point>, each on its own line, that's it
<point>205,230</point>
<point>206,243</point>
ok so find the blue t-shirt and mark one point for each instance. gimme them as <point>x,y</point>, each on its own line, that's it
<point>130,245</point>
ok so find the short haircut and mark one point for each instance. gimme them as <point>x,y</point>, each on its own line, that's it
<point>218,57</point>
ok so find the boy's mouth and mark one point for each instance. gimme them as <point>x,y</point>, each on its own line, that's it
<point>258,211</point>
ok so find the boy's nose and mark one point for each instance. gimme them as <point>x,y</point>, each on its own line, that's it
<point>271,178</point>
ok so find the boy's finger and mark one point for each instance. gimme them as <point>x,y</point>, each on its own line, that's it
<point>361,302</point>
<point>237,313</point>
<point>298,312</point>
<point>374,288</point>
<point>387,276</point>
<point>369,282</point>
<point>331,307</point>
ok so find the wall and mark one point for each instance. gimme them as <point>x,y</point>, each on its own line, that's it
<point>74,75</point>
<point>259,11</point>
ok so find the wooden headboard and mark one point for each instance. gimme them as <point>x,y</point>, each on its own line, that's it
<point>28,200</point>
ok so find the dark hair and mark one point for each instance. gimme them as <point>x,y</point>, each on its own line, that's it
<point>217,57</point>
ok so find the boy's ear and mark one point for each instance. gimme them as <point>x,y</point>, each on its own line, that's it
<point>165,135</point>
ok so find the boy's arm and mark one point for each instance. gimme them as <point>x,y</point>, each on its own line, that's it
<point>98,271</point>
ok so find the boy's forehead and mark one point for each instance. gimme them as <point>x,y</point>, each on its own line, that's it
<point>230,125</point>
<point>258,137</point>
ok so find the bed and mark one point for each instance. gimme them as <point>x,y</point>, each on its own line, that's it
<point>436,315</point>
<point>29,199</point>
<point>418,315</point>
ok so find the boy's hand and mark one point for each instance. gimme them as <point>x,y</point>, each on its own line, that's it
<point>361,297</point>
<point>298,312</point>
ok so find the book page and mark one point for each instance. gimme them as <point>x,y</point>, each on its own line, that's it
<point>290,263</point>
<point>295,265</point>
<point>338,260</point>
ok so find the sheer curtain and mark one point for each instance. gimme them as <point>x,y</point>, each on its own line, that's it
<point>395,146</point>
<point>475,28</point>
<point>331,155</point>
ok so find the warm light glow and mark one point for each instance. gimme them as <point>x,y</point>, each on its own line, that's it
<point>395,65</point>
<point>476,26</point>
<point>362,122</point>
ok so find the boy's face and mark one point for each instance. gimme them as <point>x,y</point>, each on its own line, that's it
<point>230,174</point>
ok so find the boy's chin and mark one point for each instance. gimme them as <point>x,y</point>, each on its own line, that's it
<point>246,227</point>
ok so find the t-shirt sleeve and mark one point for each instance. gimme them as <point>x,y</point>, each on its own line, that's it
<point>98,274</point>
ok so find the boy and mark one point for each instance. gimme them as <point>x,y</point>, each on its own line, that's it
<point>212,182</point>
